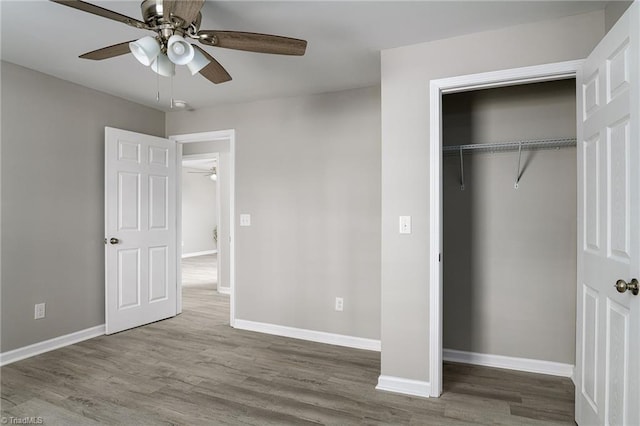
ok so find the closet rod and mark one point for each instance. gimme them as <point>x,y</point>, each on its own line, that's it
<point>506,146</point>
<point>509,146</point>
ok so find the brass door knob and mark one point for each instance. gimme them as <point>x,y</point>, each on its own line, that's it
<point>633,287</point>
<point>114,240</point>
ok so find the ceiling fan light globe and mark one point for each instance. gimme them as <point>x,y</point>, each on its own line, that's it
<point>163,66</point>
<point>145,50</point>
<point>198,62</point>
<point>178,48</point>
<point>180,52</point>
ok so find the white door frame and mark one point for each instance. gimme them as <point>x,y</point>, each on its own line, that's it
<point>510,77</point>
<point>217,135</point>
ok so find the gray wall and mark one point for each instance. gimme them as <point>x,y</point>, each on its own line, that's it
<point>222,148</point>
<point>199,211</point>
<point>509,256</point>
<point>308,172</point>
<point>613,11</point>
<point>53,201</point>
<point>406,73</point>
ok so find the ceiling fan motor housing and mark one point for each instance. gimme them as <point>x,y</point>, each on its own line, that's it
<point>152,11</point>
<point>153,15</point>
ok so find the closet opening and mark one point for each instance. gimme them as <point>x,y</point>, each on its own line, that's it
<point>509,227</point>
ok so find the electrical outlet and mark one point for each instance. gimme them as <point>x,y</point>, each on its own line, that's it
<point>39,311</point>
<point>339,303</point>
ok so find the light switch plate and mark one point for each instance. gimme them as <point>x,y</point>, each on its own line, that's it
<point>405,224</point>
<point>245,220</point>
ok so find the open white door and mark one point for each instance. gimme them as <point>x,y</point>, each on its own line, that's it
<point>608,322</point>
<point>140,226</point>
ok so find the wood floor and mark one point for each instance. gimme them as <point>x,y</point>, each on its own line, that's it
<point>200,271</point>
<point>195,370</point>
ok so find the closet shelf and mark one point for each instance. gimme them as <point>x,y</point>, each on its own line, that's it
<point>506,146</point>
<point>509,146</point>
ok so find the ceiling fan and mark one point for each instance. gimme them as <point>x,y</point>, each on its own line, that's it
<point>174,22</point>
<point>211,174</point>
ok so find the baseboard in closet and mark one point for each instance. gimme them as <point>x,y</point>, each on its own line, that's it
<point>510,363</point>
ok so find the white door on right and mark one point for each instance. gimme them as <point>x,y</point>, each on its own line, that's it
<point>608,320</point>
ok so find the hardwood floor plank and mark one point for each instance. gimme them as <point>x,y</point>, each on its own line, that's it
<point>329,397</point>
<point>484,392</point>
<point>543,413</point>
<point>50,414</point>
<point>286,405</point>
<point>200,271</point>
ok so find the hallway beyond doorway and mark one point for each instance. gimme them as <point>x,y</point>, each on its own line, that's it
<point>200,271</point>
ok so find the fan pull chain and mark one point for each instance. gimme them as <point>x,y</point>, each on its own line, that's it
<point>157,88</point>
<point>171,104</point>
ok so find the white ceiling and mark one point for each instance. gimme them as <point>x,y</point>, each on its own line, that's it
<point>344,41</point>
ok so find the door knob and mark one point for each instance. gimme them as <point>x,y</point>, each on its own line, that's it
<point>633,287</point>
<point>117,241</point>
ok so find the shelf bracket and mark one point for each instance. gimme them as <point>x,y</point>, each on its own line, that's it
<point>517,181</point>
<point>461,171</point>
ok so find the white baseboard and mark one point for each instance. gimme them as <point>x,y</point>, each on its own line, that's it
<point>198,253</point>
<point>404,386</point>
<point>50,345</point>
<point>510,363</point>
<point>311,335</point>
<point>224,290</point>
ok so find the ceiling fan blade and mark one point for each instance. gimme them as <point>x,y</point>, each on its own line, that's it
<point>101,11</point>
<point>214,72</point>
<point>185,9</point>
<point>253,42</point>
<point>108,52</point>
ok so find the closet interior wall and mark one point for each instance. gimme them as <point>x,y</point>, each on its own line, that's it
<point>509,255</point>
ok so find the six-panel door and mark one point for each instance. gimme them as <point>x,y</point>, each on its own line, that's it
<point>608,322</point>
<point>140,217</point>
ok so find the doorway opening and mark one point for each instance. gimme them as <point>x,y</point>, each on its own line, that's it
<point>439,88</point>
<point>206,217</point>
<point>201,210</point>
